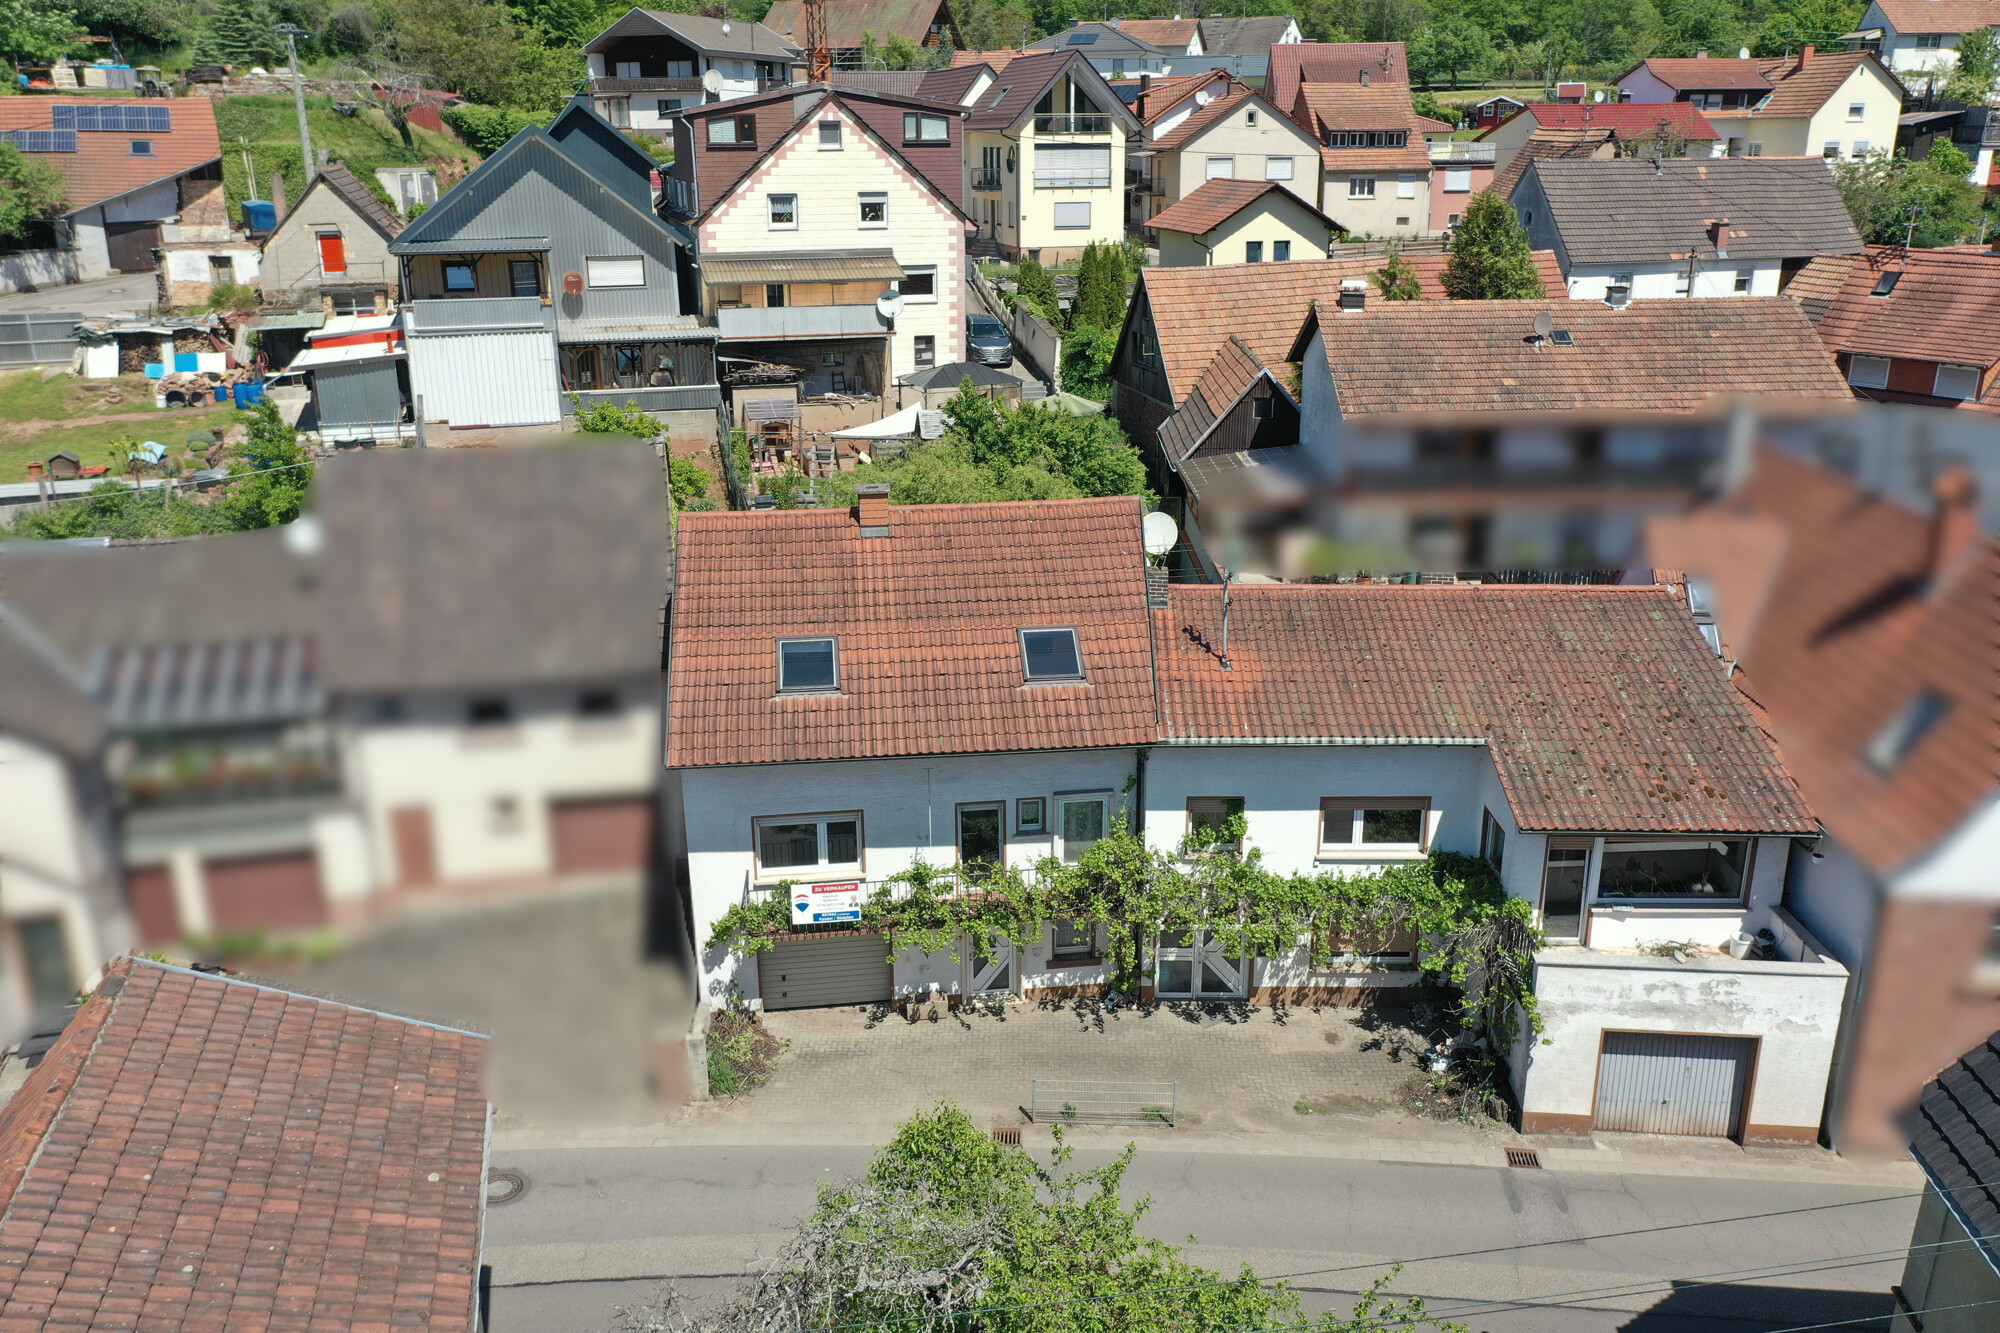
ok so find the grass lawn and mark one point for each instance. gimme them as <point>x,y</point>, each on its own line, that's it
<point>268,128</point>
<point>26,396</point>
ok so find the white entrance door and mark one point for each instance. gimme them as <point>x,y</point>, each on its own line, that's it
<point>1191,966</point>
<point>989,966</point>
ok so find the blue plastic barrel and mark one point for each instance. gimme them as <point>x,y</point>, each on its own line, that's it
<point>260,215</point>
<point>249,395</point>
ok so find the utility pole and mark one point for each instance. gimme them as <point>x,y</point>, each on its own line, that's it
<point>291,32</point>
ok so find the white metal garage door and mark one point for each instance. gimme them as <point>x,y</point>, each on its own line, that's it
<point>825,970</point>
<point>497,377</point>
<point>1658,1083</point>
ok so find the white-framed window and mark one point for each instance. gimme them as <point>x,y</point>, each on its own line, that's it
<point>1857,110</point>
<point>1868,372</point>
<point>1743,277</point>
<point>919,128</point>
<point>1072,942</point>
<point>680,69</point>
<point>1210,812</point>
<point>1253,252</point>
<point>874,209</point>
<point>1707,870</point>
<point>784,211</point>
<point>809,665</point>
<point>668,106</point>
<point>1277,168</point>
<point>1072,167</point>
<point>1754,149</point>
<point>1406,185</point>
<point>732,132</point>
<point>1250,118</point>
<point>1831,149</point>
<point>1930,41</point>
<point>1458,180</point>
<point>789,846</point>
<point>1281,251</point>
<point>1220,169</point>
<point>1031,814</point>
<point>829,136</point>
<point>1051,654</point>
<point>615,271</point>
<point>1371,824</point>
<point>1956,382</point>
<point>1360,187</point>
<point>1454,219</point>
<point>919,284</point>
<point>1860,149</point>
<point>1073,216</point>
<point>1081,823</point>
<point>926,350</point>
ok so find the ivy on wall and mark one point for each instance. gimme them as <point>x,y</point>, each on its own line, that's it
<point>1473,936</point>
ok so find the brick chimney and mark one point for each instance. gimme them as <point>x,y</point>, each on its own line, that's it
<point>871,508</point>
<point>1954,525</point>
<point>1364,78</point>
<point>1805,55</point>
<point>1139,103</point>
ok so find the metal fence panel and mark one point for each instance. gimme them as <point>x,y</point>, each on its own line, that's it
<point>38,339</point>
<point>1101,1102</point>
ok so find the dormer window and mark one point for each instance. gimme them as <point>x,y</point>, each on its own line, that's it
<point>1050,655</point>
<point>808,666</point>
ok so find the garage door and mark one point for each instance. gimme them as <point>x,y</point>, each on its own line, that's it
<point>603,835</point>
<point>151,891</point>
<point>494,378</point>
<point>130,245</point>
<point>265,892</point>
<point>1656,1083</point>
<point>825,970</point>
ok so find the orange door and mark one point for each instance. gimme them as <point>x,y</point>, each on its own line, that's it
<point>332,253</point>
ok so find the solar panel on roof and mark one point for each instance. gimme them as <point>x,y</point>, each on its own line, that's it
<point>1082,38</point>
<point>114,119</point>
<point>42,141</point>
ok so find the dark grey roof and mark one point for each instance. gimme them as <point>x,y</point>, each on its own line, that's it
<point>1242,37</point>
<point>1957,1142</point>
<point>337,178</point>
<point>1026,78</point>
<point>1096,39</point>
<point>952,375</point>
<point>896,82</point>
<point>704,34</point>
<point>1633,210</point>
<point>951,85</point>
<point>463,568</point>
<point>42,698</point>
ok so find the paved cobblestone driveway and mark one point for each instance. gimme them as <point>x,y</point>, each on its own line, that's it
<point>1240,1067</point>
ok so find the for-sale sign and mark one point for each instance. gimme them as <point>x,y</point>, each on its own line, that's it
<point>817,904</point>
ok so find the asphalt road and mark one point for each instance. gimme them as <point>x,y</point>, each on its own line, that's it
<point>1500,1251</point>
<point>119,294</point>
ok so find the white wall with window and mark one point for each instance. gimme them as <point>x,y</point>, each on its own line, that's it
<point>1379,203</point>
<point>1714,277</point>
<point>790,202</point>
<point>751,827</point>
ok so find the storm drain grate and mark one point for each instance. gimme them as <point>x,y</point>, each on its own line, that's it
<point>1524,1157</point>
<point>1007,1134</point>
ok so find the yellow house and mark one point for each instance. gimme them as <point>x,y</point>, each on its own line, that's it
<point>1241,222</point>
<point>1238,137</point>
<point>1813,104</point>
<point>1045,149</point>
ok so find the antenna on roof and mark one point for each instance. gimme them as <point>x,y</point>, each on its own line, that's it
<point>1227,579</point>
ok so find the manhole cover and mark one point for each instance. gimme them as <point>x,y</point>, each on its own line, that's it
<point>1526,1157</point>
<point>504,1187</point>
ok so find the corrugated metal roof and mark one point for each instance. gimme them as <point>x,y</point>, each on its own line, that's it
<point>678,329</point>
<point>472,245</point>
<point>301,319</point>
<point>802,266</point>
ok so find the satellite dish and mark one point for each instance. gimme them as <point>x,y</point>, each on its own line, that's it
<point>1545,324</point>
<point>1159,533</point>
<point>711,82</point>
<point>573,283</point>
<point>889,304</point>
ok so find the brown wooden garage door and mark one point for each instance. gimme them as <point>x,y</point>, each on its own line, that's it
<point>130,245</point>
<point>151,889</point>
<point>601,835</point>
<point>265,892</point>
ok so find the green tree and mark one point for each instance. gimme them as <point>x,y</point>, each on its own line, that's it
<point>1100,287</point>
<point>31,190</point>
<point>1396,279</point>
<point>275,472</point>
<point>1489,258</point>
<point>150,23</point>
<point>949,1229</point>
<point>1086,360</point>
<point>486,129</point>
<point>462,46</point>
<point>547,72</point>
<point>1929,202</point>
<point>40,31</point>
<point>240,32</point>
<point>1450,46</point>
<point>984,25</point>
<point>1038,290</point>
<point>1785,30</point>
<point>1978,67</point>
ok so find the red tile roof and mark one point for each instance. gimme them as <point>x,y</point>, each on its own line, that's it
<point>1215,202</point>
<point>1325,107</point>
<point>1545,144</point>
<point>1941,15</point>
<point>1195,310</point>
<point>847,21</point>
<point>1173,34</point>
<point>996,59</point>
<point>1603,707</point>
<point>195,1152</point>
<point>1632,120</point>
<point>1945,307</point>
<point>103,166</point>
<point>1853,628</point>
<point>1199,120</point>
<point>1332,62</point>
<point>1457,357</point>
<point>927,620</point>
<point>1679,72</point>
<point>1169,91</point>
